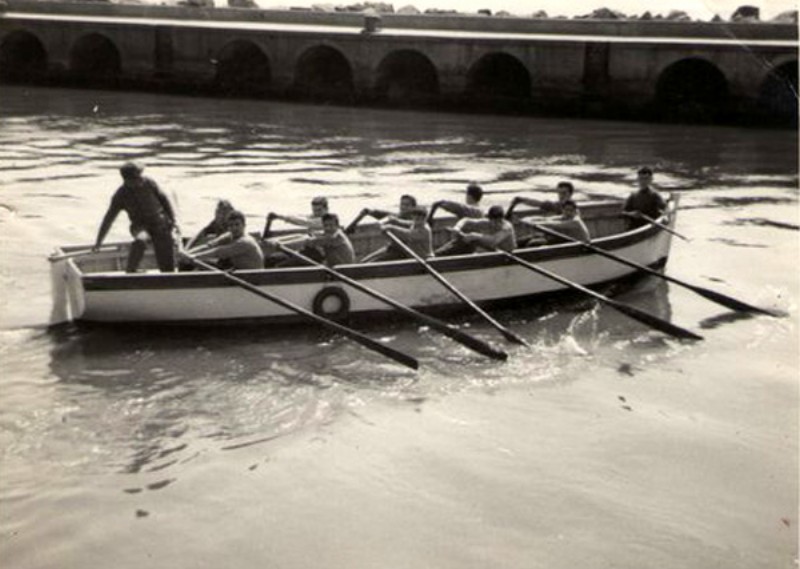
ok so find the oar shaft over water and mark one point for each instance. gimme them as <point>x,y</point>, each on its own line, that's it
<point>365,341</point>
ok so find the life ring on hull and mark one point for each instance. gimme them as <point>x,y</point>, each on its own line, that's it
<point>332,302</point>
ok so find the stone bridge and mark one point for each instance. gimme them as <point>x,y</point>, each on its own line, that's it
<point>702,70</point>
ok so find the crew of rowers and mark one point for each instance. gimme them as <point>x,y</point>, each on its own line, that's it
<point>226,240</point>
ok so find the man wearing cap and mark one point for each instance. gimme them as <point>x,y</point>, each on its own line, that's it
<point>644,201</point>
<point>493,232</point>
<point>151,216</point>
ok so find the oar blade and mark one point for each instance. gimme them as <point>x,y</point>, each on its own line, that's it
<point>654,321</point>
<point>731,302</point>
<point>472,342</point>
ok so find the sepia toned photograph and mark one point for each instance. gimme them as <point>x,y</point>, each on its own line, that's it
<point>445,284</point>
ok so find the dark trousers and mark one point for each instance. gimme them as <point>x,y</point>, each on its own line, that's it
<point>164,247</point>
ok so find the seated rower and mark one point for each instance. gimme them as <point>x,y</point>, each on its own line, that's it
<point>470,208</point>
<point>418,237</point>
<point>234,249</point>
<point>470,235</point>
<point>546,207</point>
<point>645,200</point>
<point>319,207</point>
<point>569,224</point>
<point>401,219</point>
<point>336,246</point>
<point>216,228</point>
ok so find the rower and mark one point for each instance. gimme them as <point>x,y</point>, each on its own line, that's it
<point>565,191</point>
<point>470,208</point>
<point>418,237</point>
<point>336,246</point>
<point>402,218</point>
<point>645,200</point>
<point>234,249</point>
<point>569,224</point>
<point>469,235</point>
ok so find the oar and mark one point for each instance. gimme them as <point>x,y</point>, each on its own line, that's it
<point>635,313</point>
<point>469,341</point>
<point>82,253</point>
<point>651,221</point>
<point>267,225</point>
<point>711,295</point>
<point>509,335</point>
<point>352,227</point>
<point>365,341</point>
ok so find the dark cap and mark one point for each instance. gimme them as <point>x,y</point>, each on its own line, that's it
<point>496,211</point>
<point>130,170</point>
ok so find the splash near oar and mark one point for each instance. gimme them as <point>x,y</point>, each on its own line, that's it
<point>711,295</point>
<point>635,313</point>
<point>465,339</point>
<point>508,334</point>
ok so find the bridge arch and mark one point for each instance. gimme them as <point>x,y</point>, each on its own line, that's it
<point>322,72</point>
<point>500,78</point>
<point>406,76</point>
<point>242,69</point>
<point>778,96</point>
<point>23,57</point>
<point>95,60</point>
<point>692,88</point>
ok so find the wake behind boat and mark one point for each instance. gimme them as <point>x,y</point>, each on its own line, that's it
<point>93,287</point>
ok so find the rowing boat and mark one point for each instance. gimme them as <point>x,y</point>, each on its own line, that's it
<point>93,287</point>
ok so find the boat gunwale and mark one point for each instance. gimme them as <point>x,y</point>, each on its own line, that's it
<point>359,271</point>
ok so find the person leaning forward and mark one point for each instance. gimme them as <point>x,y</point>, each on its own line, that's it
<point>335,245</point>
<point>470,235</point>
<point>151,216</point>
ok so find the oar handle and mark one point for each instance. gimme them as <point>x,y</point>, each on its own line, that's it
<point>352,227</point>
<point>365,341</point>
<point>83,253</point>
<point>457,335</point>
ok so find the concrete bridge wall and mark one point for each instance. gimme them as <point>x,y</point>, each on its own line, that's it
<point>574,66</point>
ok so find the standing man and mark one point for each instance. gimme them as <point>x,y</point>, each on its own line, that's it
<point>151,216</point>
<point>645,201</point>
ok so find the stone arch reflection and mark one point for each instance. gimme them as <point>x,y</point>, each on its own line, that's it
<point>323,73</point>
<point>242,69</point>
<point>406,77</point>
<point>23,58</point>
<point>95,60</point>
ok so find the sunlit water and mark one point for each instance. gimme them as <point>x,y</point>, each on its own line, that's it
<point>603,445</point>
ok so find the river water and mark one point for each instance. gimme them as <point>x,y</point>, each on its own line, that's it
<point>603,445</point>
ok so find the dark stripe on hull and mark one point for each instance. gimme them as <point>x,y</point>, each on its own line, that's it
<point>381,316</point>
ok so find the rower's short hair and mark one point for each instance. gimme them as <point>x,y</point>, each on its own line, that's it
<point>645,171</point>
<point>320,200</point>
<point>330,217</point>
<point>567,185</point>
<point>410,198</point>
<point>130,170</point>
<point>419,210</point>
<point>475,191</point>
<point>235,215</point>
<point>496,211</point>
